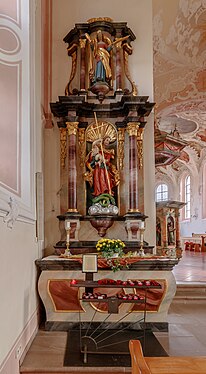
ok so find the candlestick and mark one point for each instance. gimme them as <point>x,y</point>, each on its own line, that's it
<point>67,252</point>
<point>141,226</point>
<point>141,250</point>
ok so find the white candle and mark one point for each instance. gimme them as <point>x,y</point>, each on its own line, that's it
<point>67,225</point>
<point>141,238</point>
<point>67,236</point>
<point>142,225</point>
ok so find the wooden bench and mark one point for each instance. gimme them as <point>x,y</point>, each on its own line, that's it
<point>202,238</point>
<point>164,365</point>
<point>197,242</point>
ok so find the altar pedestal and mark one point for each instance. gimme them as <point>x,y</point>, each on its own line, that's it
<point>63,304</point>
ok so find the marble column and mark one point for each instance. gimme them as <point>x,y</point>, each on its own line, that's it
<point>132,129</point>
<point>72,167</point>
<point>118,67</point>
<point>82,43</point>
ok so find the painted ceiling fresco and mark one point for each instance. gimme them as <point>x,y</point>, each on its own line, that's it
<point>179,28</point>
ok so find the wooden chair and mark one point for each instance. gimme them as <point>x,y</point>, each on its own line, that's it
<point>164,365</point>
<point>139,365</point>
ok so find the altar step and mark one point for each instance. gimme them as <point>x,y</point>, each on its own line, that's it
<point>190,292</point>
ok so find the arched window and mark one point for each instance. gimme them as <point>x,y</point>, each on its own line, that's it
<point>162,192</point>
<point>187,197</point>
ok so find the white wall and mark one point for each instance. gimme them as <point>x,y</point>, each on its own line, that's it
<point>137,14</point>
<point>19,246</point>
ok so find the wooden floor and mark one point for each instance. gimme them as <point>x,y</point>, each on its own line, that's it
<point>186,336</point>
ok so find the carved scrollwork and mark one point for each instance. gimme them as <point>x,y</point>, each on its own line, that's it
<point>73,52</point>
<point>127,50</point>
<point>63,146</point>
<point>12,214</point>
<point>140,133</point>
<point>82,146</point>
<point>121,133</point>
<point>132,128</point>
<point>72,128</point>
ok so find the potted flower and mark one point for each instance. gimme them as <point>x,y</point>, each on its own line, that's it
<point>112,250</point>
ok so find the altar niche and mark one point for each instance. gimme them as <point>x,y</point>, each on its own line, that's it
<point>101,176</point>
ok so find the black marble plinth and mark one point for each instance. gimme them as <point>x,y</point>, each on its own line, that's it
<point>108,348</point>
<point>58,263</point>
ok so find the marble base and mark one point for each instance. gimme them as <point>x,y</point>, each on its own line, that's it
<point>63,303</point>
<point>65,326</point>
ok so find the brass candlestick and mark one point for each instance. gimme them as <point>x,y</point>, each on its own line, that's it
<point>141,250</point>
<point>67,252</point>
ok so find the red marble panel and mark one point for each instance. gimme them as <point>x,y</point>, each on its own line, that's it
<point>64,297</point>
<point>154,298</point>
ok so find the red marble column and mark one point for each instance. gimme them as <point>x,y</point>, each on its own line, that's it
<point>118,67</point>
<point>83,64</point>
<point>132,129</point>
<point>72,169</point>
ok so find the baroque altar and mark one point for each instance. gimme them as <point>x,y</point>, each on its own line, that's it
<point>101,120</point>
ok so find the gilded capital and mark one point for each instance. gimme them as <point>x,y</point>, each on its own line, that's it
<point>132,128</point>
<point>82,43</point>
<point>72,128</point>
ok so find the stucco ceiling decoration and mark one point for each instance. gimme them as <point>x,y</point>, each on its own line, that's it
<point>180,74</point>
<point>179,55</point>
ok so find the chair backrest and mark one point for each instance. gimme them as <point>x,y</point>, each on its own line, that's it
<point>139,365</point>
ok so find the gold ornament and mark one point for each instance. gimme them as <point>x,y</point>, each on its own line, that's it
<point>121,133</point>
<point>82,146</point>
<point>99,19</point>
<point>63,146</point>
<point>100,130</point>
<point>72,128</point>
<point>132,128</point>
<point>140,146</point>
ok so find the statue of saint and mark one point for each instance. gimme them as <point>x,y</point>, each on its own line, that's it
<point>99,61</point>
<point>170,230</point>
<point>102,175</point>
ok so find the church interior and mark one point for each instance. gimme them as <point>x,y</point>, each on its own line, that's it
<point>103,186</point>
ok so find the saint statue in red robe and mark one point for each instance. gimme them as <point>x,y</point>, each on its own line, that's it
<point>102,175</point>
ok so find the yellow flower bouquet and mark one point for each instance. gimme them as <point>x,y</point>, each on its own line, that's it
<point>112,250</point>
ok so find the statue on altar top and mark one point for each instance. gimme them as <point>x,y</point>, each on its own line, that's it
<point>99,57</point>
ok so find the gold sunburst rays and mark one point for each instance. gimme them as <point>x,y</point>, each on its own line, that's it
<point>100,131</point>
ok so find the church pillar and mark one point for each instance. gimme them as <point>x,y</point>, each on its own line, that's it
<point>132,129</point>
<point>72,167</point>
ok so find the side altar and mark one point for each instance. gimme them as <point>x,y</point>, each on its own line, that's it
<point>65,306</point>
<point>101,120</point>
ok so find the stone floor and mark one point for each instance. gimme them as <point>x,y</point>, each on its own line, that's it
<point>191,268</point>
<point>187,323</point>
